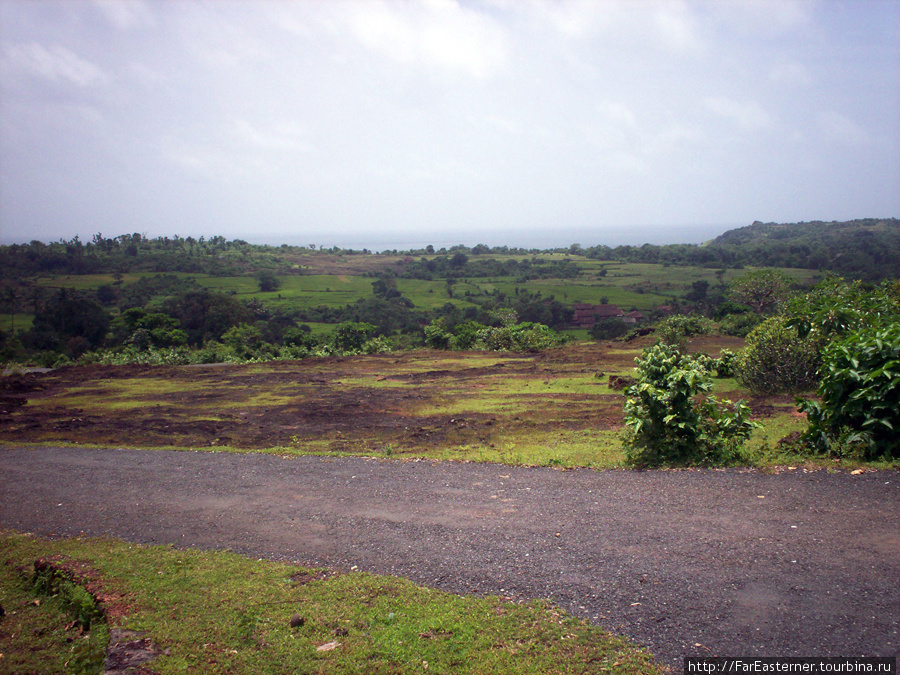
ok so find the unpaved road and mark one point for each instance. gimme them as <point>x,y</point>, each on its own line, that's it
<point>684,562</point>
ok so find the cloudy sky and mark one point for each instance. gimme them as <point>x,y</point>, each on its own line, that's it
<point>461,121</point>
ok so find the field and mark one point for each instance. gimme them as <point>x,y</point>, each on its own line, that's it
<point>335,281</point>
<point>555,408</point>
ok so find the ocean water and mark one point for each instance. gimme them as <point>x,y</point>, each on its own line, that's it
<point>528,239</point>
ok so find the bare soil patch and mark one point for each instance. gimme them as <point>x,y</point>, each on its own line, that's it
<point>343,403</point>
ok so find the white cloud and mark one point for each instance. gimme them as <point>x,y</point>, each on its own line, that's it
<point>763,18</point>
<point>436,33</point>
<point>126,14</point>
<point>56,63</point>
<point>676,25</point>
<point>838,127</point>
<point>748,115</point>
<point>284,136</point>
<point>791,74</point>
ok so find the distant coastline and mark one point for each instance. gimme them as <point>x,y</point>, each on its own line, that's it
<point>548,238</point>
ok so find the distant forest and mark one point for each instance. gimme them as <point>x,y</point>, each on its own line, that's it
<point>866,249</point>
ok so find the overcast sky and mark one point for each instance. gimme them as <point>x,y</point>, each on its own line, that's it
<point>442,120</point>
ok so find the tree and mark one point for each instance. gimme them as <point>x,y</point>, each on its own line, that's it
<point>243,340</point>
<point>206,315</point>
<point>351,336</point>
<point>459,260</point>
<point>68,315</point>
<point>761,290</point>
<point>268,281</point>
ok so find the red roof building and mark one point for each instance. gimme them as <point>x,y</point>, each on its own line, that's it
<point>584,315</point>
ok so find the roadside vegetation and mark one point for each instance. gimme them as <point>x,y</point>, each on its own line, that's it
<point>690,356</point>
<point>758,336</point>
<point>219,612</point>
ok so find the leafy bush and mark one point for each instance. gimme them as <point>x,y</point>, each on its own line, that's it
<point>739,325</point>
<point>666,422</point>
<point>466,335</point>
<point>776,359</point>
<point>437,336</point>
<point>521,337</point>
<point>350,337</point>
<point>677,328</point>
<point>724,365</point>
<point>608,329</point>
<point>860,392</point>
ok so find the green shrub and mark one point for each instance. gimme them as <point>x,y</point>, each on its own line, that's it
<point>739,325</point>
<point>608,329</point>
<point>521,337</point>
<point>677,328</point>
<point>860,392</point>
<point>724,365</point>
<point>436,334</point>
<point>466,335</point>
<point>670,419</point>
<point>776,359</point>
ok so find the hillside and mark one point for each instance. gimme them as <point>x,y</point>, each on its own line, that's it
<point>868,248</point>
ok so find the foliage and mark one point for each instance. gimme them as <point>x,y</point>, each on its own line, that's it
<point>675,329</point>
<point>671,419</point>
<point>244,340</point>
<point>777,360</point>
<point>834,307</point>
<point>860,395</point>
<point>761,290</point>
<point>509,336</point>
<point>268,281</point>
<point>608,329</point>
<point>466,335</point>
<point>437,336</point>
<point>351,336</point>
<point>521,337</point>
<point>739,325</point>
<point>206,315</point>
<point>144,329</point>
<point>867,248</point>
<point>68,320</point>
<point>724,365</point>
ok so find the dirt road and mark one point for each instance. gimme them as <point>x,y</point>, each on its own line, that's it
<point>684,562</point>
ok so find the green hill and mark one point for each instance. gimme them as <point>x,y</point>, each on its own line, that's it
<point>867,249</point>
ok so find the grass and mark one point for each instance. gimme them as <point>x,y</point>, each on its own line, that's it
<point>548,409</point>
<point>333,284</point>
<point>218,612</point>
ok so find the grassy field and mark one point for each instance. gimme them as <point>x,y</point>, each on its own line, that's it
<point>335,281</point>
<point>555,408</point>
<point>218,612</point>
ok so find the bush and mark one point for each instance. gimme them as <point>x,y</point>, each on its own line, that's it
<point>666,422</point>
<point>860,392</point>
<point>739,325</point>
<point>436,334</point>
<point>466,335</point>
<point>724,365</point>
<point>776,360</point>
<point>608,329</point>
<point>521,337</point>
<point>677,328</point>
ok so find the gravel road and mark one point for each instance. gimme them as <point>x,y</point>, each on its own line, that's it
<point>700,563</point>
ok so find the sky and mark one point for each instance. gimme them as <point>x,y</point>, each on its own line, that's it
<point>381,123</point>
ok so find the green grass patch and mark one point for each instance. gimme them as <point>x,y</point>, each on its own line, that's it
<point>218,612</point>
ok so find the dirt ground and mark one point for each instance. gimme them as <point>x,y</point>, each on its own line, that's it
<point>342,403</point>
<point>700,563</point>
